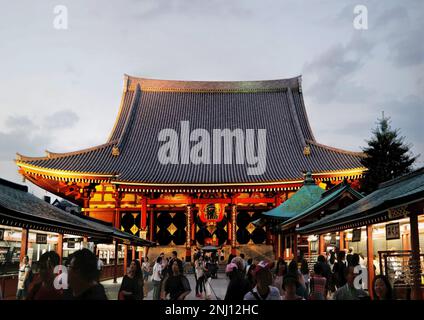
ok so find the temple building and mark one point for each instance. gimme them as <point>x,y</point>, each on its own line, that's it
<point>184,204</point>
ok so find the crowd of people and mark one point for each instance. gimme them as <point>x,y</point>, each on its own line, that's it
<point>330,277</point>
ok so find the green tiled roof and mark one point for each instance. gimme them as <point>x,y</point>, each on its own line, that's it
<point>392,193</point>
<point>326,197</point>
<point>304,198</point>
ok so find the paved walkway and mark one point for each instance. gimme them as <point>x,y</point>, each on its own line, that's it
<point>219,286</point>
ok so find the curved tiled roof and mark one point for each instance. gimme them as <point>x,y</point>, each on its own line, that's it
<point>148,106</point>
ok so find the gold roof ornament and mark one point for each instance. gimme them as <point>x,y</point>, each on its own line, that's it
<point>115,151</point>
<point>307,150</point>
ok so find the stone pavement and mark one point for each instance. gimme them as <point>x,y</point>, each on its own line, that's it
<point>219,285</point>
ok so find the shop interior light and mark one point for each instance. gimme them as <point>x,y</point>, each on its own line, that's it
<point>349,236</point>
<point>327,238</point>
<point>312,238</point>
<point>337,237</point>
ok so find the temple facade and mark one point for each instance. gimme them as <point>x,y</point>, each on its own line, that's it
<point>185,204</point>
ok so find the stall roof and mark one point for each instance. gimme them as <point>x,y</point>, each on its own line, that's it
<point>20,208</point>
<point>327,198</point>
<point>305,197</point>
<point>394,193</point>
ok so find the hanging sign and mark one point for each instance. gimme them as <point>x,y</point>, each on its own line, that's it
<point>356,235</point>
<point>41,238</point>
<point>392,231</point>
<point>211,212</point>
<point>71,243</point>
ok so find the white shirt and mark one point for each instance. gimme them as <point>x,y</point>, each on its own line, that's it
<point>157,270</point>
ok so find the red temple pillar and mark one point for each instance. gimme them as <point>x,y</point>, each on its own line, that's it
<point>321,244</point>
<point>59,249</point>
<point>234,229</point>
<point>152,225</point>
<point>115,265</point>
<point>125,258</point>
<point>341,241</point>
<point>415,261</point>
<point>24,243</point>
<point>188,233</point>
<point>370,259</point>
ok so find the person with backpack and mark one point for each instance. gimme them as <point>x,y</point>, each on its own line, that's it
<point>24,279</point>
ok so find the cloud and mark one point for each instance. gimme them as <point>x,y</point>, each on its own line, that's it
<point>61,119</point>
<point>334,69</point>
<point>24,136</point>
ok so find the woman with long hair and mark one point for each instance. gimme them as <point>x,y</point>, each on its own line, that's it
<point>381,288</point>
<point>132,283</point>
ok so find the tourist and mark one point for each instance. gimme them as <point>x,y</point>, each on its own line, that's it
<point>82,277</point>
<point>157,278</point>
<point>339,269</point>
<point>174,258</point>
<point>208,269</point>
<point>263,289</point>
<point>318,290</point>
<point>221,256</point>
<point>381,288</point>
<point>44,289</point>
<point>304,270</point>
<point>147,272</point>
<point>132,283</point>
<point>230,258</point>
<point>348,290</point>
<point>244,262</point>
<point>293,271</point>
<point>238,285</point>
<point>331,259</point>
<point>251,276</point>
<point>249,263</point>
<point>281,271</point>
<point>199,273</point>
<point>24,279</point>
<point>349,256</point>
<point>177,285</point>
<point>290,288</point>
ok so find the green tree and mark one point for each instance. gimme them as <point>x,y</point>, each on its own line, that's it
<point>387,156</point>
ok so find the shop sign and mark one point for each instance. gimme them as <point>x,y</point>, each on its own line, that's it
<point>392,231</point>
<point>1,234</point>
<point>356,235</point>
<point>71,243</point>
<point>41,238</point>
<point>397,213</point>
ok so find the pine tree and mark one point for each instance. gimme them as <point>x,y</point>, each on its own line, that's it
<point>386,156</point>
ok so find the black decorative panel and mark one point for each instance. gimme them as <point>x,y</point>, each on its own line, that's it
<point>247,231</point>
<point>131,222</point>
<point>170,227</point>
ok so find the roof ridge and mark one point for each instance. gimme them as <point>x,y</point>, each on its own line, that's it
<point>129,118</point>
<point>355,153</point>
<point>13,185</point>
<point>149,84</point>
<point>295,117</point>
<point>55,155</point>
<point>406,176</point>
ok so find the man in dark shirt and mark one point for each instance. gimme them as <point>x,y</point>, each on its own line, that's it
<point>177,285</point>
<point>82,277</point>
<point>171,262</point>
